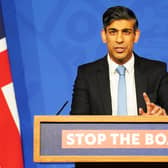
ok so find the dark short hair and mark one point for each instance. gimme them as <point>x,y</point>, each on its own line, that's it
<point>117,13</point>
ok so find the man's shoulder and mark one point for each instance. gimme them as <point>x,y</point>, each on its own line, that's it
<point>149,62</point>
<point>94,64</point>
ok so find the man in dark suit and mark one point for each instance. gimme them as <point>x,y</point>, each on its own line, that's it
<point>95,89</point>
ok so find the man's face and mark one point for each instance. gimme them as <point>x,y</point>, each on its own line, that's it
<point>120,37</point>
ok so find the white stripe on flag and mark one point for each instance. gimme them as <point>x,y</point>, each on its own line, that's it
<point>8,91</point>
<point>3,45</point>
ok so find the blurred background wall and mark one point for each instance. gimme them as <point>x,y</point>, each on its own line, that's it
<point>48,39</point>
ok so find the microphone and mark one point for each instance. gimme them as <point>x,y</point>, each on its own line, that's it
<point>60,110</point>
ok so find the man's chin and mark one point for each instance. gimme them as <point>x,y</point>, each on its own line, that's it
<point>121,59</point>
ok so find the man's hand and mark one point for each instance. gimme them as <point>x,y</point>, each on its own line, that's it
<point>152,109</point>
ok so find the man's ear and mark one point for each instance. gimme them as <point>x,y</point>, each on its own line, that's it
<point>103,36</point>
<point>137,35</point>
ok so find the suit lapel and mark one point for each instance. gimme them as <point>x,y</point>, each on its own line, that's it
<point>104,86</point>
<point>140,82</point>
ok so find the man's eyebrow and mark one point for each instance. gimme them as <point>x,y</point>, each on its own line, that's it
<point>112,29</point>
<point>125,29</point>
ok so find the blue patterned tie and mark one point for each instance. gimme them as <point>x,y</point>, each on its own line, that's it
<point>122,93</point>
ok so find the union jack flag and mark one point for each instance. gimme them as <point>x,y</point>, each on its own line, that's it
<point>10,139</point>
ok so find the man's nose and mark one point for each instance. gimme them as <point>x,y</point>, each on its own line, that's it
<point>119,37</point>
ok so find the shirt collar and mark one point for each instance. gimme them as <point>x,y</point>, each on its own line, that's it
<point>129,65</point>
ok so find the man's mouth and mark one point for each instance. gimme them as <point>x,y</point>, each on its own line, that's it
<point>119,49</point>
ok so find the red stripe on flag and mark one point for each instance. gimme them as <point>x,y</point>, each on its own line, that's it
<point>10,140</point>
<point>5,74</point>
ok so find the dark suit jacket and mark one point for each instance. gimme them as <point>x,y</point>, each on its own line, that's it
<point>92,86</point>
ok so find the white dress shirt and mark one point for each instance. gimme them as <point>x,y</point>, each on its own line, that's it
<point>130,84</point>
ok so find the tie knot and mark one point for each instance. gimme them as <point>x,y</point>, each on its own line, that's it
<point>121,70</point>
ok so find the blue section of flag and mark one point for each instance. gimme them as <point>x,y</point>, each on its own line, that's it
<point>2,33</point>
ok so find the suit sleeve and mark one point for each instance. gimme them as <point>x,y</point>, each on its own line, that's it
<point>163,92</point>
<point>157,84</point>
<point>80,98</point>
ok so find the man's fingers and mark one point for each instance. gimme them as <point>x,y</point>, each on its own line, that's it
<point>152,109</point>
<point>164,112</point>
<point>141,111</point>
<point>158,111</point>
<point>146,98</point>
<point>148,102</point>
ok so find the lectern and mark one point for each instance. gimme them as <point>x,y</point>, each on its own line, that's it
<point>100,139</point>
